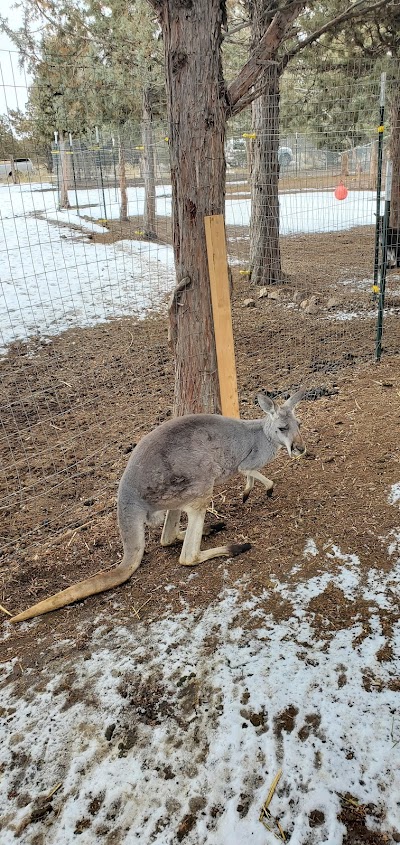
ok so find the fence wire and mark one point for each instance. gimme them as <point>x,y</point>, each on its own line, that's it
<point>85,282</point>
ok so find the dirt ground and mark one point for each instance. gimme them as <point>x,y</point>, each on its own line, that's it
<point>74,408</point>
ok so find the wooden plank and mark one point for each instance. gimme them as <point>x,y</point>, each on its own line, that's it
<point>221,306</point>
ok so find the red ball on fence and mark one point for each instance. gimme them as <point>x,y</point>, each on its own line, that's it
<point>341,192</point>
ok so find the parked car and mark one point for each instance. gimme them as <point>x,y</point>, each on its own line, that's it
<point>236,155</point>
<point>22,165</point>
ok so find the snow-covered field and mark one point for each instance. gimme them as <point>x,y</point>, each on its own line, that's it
<point>176,729</point>
<point>52,276</point>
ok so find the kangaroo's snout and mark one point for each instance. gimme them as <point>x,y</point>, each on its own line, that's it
<point>298,447</point>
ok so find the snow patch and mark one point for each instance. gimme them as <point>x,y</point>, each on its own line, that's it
<point>394,495</point>
<point>186,721</point>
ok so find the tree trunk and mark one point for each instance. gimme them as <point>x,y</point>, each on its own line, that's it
<point>64,173</point>
<point>123,208</point>
<point>395,157</point>
<point>265,256</point>
<point>197,119</point>
<point>149,174</point>
<point>14,172</point>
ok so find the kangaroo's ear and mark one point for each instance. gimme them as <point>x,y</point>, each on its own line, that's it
<point>294,399</point>
<point>266,404</point>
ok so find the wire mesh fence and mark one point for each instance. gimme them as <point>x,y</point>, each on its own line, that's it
<point>88,269</point>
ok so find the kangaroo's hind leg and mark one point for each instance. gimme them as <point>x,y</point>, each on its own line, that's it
<point>171,530</point>
<point>191,554</point>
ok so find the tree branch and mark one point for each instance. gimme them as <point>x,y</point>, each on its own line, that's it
<point>157,5</point>
<point>234,29</point>
<point>350,13</point>
<point>247,99</point>
<point>263,55</point>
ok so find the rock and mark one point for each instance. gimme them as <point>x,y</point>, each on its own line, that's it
<point>333,303</point>
<point>109,732</point>
<point>249,303</point>
<point>311,305</point>
<point>274,293</point>
<point>263,293</point>
<point>311,308</point>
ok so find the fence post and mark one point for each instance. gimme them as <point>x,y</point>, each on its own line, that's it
<point>382,286</point>
<point>221,306</point>
<point>381,128</point>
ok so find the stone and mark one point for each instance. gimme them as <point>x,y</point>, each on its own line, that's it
<point>249,303</point>
<point>333,303</point>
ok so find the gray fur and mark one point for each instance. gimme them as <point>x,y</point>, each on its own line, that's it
<point>175,468</point>
<point>177,465</point>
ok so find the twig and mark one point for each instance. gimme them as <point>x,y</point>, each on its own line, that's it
<point>5,611</point>
<point>131,343</point>
<point>266,814</point>
<point>54,790</point>
<point>137,611</point>
<point>272,789</point>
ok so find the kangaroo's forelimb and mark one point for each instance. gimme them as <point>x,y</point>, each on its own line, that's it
<point>253,476</point>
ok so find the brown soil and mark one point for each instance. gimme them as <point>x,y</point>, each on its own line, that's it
<point>73,409</point>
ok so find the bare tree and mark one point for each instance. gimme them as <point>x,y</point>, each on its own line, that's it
<point>265,255</point>
<point>149,175</point>
<point>199,104</point>
<point>123,208</point>
<point>64,174</point>
<point>395,157</point>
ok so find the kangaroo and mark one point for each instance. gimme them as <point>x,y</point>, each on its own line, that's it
<point>174,468</point>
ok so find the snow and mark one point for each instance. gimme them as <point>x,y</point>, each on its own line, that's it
<point>311,211</point>
<point>207,708</point>
<point>394,495</point>
<point>54,277</point>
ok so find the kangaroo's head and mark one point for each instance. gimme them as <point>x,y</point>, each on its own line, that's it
<point>282,422</point>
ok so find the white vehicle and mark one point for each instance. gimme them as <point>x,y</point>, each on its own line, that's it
<point>22,165</point>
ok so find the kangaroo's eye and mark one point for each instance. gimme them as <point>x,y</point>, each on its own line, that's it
<point>284,428</point>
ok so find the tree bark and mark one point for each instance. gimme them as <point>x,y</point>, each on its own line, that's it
<point>264,51</point>
<point>265,255</point>
<point>197,119</point>
<point>64,172</point>
<point>123,208</point>
<point>149,219</point>
<point>395,157</point>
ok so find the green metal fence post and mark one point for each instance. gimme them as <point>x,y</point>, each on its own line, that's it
<point>382,285</point>
<point>381,128</point>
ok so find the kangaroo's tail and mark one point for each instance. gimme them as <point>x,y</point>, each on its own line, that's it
<point>99,583</point>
